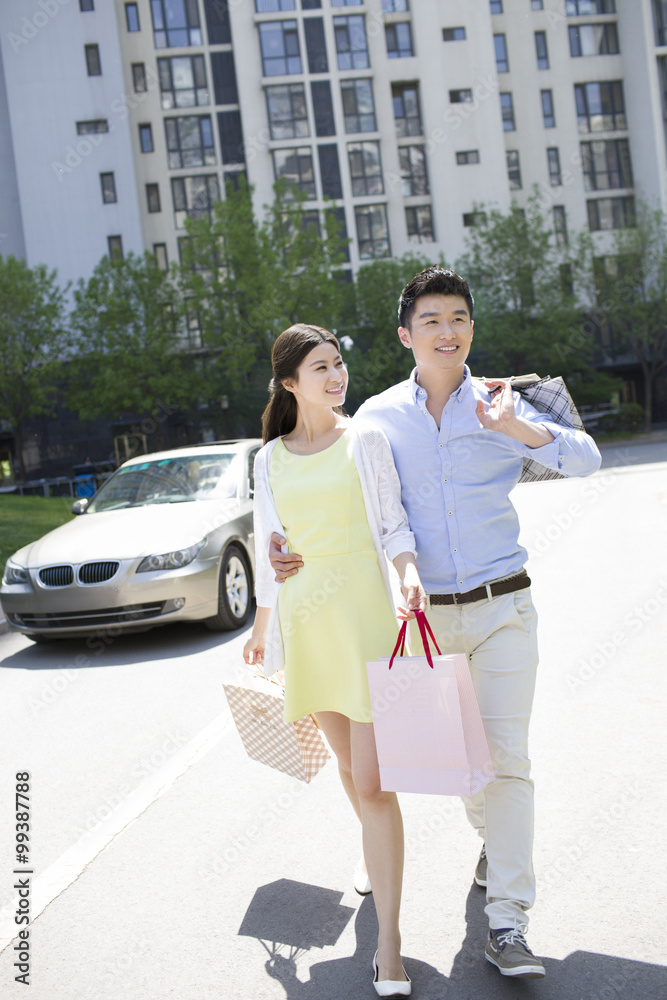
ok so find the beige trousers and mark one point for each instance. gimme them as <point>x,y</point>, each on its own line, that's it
<point>499,638</point>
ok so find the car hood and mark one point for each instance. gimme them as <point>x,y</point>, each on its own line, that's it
<point>129,533</point>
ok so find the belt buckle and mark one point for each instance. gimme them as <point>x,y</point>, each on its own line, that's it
<point>455,599</point>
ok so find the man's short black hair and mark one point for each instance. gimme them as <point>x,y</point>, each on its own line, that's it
<point>434,280</point>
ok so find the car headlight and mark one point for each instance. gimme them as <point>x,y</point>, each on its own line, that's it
<point>170,560</point>
<point>15,574</point>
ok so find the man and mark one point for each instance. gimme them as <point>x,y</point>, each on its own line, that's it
<point>458,445</point>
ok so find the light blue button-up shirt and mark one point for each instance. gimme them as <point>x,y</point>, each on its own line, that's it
<point>456,481</point>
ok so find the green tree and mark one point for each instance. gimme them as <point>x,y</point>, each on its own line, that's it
<point>528,300</point>
<point>632,295</point>
<point>133,351</point>
<point>377,358</point>
<point>249,279</point>
<point>32,340</point>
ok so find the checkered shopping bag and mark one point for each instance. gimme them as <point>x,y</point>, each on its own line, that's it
<point>296,748</point>
<point>548,395</point>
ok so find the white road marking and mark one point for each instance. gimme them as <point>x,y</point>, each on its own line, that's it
<point>44,888</point>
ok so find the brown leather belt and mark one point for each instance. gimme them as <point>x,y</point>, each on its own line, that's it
<point>489,590</point>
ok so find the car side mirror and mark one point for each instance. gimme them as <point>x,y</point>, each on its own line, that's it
<point>79,506</point>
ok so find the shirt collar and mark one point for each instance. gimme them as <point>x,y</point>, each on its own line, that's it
<point>459,394</point>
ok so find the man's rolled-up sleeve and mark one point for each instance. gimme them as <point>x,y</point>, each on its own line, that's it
<point>572,452</point>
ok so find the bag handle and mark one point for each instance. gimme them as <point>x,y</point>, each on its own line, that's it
<point>424,627</point>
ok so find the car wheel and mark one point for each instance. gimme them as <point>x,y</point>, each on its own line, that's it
<point>235,597</point>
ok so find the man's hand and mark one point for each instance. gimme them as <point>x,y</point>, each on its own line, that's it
<point>501,416</point>
<point>284,563</point>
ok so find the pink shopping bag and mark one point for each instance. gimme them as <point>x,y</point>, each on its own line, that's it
<point>428,728</point>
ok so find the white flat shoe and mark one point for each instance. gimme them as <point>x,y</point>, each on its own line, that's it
<point>361,881</point>
<point>389,988</point>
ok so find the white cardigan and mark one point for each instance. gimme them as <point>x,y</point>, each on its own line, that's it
<point>387,520</point>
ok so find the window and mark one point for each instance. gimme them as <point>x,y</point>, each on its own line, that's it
<point>115,246</point>
<point>182,82</point>
<point>315,45</point>
<point>453,34</point>
<point>175,23</point>
<point>372,231</point>
<point>365,168</point>
<point>85,5</point>
<point>91,127</point>
<point>139,78</point>
<point>412,162</point>
<point>108,183</point>
<point>460,96</point>
<point>513,170</point>
<point>311,4</point>
<point>351,47</point>
<point>358,106</point>
<point>288,116</point>
<point>474,219</point>
<point>193,196</point>
<point>346,3</point>
<point>330,171</point>
<point>231,138</point>
<point>146,138</point>
<point>224,78</point>
<point>93,64</point>
<point>548,115</point>
<point>132,17</point>
<point>500,46</point>
<point>600,106</point>
<point>611,213</point>
<point>507,110</point>
<point>537,4</point>
<point>217,22</point>
<point>560,225</point>
<point>271,6</point>
<point>407,117</point>
<point>419,223</point>
<point>593,39</point>
<point>160,251</point>
<point>394,6</point>
<point>606,164</point>
<point>577,8</point>
<point>153,198</point>
<point>496,6</point>
<point>541,50</point>
<point>323,107</point>
<point>660,20</point>
<point>295,166</point>
<point>467,156</point>
<point>399,40</point>
<point>553,160</point>
<point>189,142</point>
<point>279,43</point>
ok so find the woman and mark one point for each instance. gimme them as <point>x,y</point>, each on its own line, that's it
<point>330,487</point>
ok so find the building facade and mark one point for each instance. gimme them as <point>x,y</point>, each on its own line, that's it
<point>117,120</point>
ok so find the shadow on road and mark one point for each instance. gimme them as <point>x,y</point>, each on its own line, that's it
<point>105,648</point>
<point>288,918</point>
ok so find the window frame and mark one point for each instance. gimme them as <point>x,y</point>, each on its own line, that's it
<point>110,189</point>
<point>626,204</point>
<point>177,127</point>
<point>395,96</point>
<point>368,213</point>
<point>617,165</point>
<point>608,33</point>
<point>153,198</point>
<point>165,36</point>
<point>183,186</point>
<point>507,111</point>
<point>414,179</point>
<point>399,50</point>
<point>467,157</point>
<point>352,86</point>
<point>514,170</point>
<point>132,17</point>
<point>502,59</point>
<point>553,165</point>
<point>420,233</point>
<point>354,27</point>
<point>197,71</point>
<point>93,59</point>
<point>288,63</point>
<point>287,127</point>
<point>541,50</point>
<point>301,153</point>
<point>365,174</point>
<point>548,112</point>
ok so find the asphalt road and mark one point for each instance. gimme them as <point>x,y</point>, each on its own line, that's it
<point>167,864</point>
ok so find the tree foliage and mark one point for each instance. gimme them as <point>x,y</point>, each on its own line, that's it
<point>32,340</point>
<point>131,342</point>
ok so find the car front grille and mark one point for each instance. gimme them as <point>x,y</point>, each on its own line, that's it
<point>97,572</point>
<point>56,576</point>
<point>89,619</point>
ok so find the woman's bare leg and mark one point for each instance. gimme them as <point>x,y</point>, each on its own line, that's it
<point>336,728</point>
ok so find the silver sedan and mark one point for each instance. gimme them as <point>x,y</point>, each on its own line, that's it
<point>168,537</point>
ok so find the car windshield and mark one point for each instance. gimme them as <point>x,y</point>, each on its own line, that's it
<point>169,480</point>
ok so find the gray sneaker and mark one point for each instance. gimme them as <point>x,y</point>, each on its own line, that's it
<point>481,869</point>
<point>508,951</point>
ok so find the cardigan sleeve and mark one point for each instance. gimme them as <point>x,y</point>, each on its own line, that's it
<point>395,533</point>
<point>266,521</point>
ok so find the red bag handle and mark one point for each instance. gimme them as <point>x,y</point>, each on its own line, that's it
<point>424,627</point>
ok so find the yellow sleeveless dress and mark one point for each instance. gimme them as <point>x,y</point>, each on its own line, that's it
<point>335,614</point>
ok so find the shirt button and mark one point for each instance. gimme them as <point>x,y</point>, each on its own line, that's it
<point>456,550</point>
<point>439,446</point>
<point>449,511</point>
<point>460,583</point>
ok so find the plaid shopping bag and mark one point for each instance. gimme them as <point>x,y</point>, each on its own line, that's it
<point>293,747</point>
<point>548,395</point>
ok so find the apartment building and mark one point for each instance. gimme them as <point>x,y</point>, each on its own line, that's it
<point>119,119</point>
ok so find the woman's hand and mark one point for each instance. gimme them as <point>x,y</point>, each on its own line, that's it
<point>253,651</point>
<point>411,587</point>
